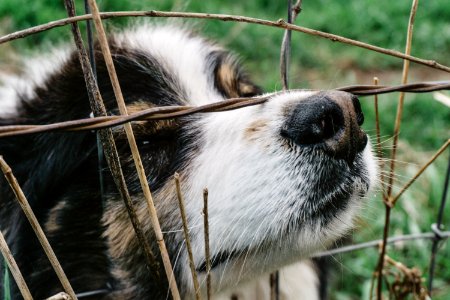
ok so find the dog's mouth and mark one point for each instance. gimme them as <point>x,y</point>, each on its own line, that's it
<point>324,197</point>
<point>319,212</point>
<point>336,201</point>
<point>218,259</point>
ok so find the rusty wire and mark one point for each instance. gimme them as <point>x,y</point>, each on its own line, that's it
<point>222,17</point>
<point>168,112</point>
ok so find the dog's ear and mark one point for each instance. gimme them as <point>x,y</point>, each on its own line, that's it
<point>230,79</point>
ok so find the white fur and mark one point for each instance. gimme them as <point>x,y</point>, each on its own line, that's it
<point>182,54</point>
<point>36,71</point>
<point>296,281</point>
<point>250,177</point>
<point>252,187</point>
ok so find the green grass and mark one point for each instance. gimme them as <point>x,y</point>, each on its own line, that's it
<point>323,64</point>
<point>6,282</point>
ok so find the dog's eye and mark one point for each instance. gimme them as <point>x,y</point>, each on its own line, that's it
<point>248,89</point>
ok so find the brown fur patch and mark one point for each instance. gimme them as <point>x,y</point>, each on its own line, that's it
<point>119,231</point>
<point>52,225</point>
<point>252,132</point>
<point>146,128</point>
<point>226,78</point>
<point>232,82</point>
<point>139,106</point>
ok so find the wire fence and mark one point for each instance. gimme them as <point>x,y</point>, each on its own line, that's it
<point>103,121</point>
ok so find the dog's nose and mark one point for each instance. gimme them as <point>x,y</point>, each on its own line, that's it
<point>329,120</point>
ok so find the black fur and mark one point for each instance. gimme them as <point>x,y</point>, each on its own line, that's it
<point>58,171</point>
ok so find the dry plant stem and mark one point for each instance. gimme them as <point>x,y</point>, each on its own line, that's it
<point>377,124</point>
<point>274,286</point>
<point>372,284</point>
<point>285,52</point>
<point>378,134</point>
<point>223,17</point>
<point>388,204</point>
<point>134,149</point>
<point>186,236</point>
<point>109,145</point>
<point>59,296</point>
<point>36,227</point>
<point>207,251</point>
<point>14,268</point>
<point>380,265</point>
<point>293,12</point>
<point>402,95</point>
<point>424,167</point>
<point>401,267</point>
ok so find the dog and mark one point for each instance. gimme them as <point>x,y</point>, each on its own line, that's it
<point>286,178</point>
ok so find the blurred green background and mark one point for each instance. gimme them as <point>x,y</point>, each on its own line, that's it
<point>318,63</point>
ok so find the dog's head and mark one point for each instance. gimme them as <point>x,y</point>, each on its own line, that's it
<point>285,178</point>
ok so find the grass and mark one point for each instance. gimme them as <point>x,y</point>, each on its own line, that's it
<point>6,281</point>
<point>318,63</point>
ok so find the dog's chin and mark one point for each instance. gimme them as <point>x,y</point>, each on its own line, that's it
<point>326,213</point>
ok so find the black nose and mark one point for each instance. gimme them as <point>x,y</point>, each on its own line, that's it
<point>329,120</point>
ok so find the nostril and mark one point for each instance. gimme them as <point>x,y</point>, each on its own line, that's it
<point>329,122</point>
<point>313,121</point>
<point>332,122</point>
<point>358,111</point>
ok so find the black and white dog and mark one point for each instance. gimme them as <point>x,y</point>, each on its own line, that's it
<point>285,178</point>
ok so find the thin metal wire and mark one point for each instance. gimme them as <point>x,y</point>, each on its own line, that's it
<point>91,52</point>
<point>376,243</point>
<point>438,237</point>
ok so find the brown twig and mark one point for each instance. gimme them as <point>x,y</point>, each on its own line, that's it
<point>422,169</point>
<point>109,145</point>
<point>20,196</point>
<point>274,280</point>
<point>134,149</point>
<point>388,203</point>
<point>186,236</point>
<point>402,95</point>
<point>59,296</point>
<point>377,122</point>
<point>14,268</point>
<point>378,137</point>
<point>293,12</point>
<point>410,283</point>
<point>222,17</point>
<point>207,250</point>
<point>372,284</point>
